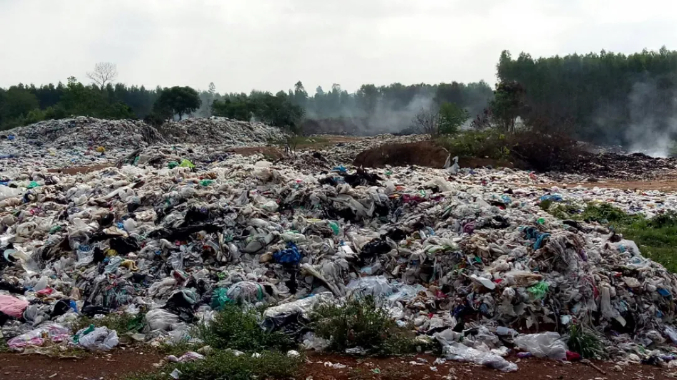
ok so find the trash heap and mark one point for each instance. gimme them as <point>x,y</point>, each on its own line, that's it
<point>469,261</point>
<point>88,141</point>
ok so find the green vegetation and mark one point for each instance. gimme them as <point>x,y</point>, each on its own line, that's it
<point>585,343</point>
<point>489,143</point>
<point>234,328</point>
<point>275,110</point>
<point>595,96</point>
<point>451,118</point>
<point>362,323</point>
<point>225,365</point>
<point>176,101</point>
<point>239,329</point>
<point>656,237</point>
<point>122,323</point>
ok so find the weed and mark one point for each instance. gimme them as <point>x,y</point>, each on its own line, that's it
<point>585,343</point>
<point>239,329</point>
<point>121,323</point>
<point>361,323</point>
<point>224,365</point>
<point>545,204</point>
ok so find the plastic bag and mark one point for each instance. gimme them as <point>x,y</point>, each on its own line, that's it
<point>377,287</point>
<point>9,192</point>
<point>159,319</point>
<point>99,339</point>
<point>547,344</point>
<point>12,306</point>
<point>190,356</point>
<point>459,352</point>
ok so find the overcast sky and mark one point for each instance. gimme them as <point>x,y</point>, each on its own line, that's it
<point>269,45</point>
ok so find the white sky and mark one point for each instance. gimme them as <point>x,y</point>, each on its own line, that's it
<point>269,45</point>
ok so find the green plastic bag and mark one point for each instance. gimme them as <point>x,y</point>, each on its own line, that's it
<point>334,227</point>
<point>172,164</point>
<point>32,185</point>
<point>206,182</point>
<point>539,290</point>
<point>220,299</point>
<point>186,164</point>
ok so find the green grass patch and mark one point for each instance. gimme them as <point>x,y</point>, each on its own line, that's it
<point>362,323</point>
<point>122,323</point>
<point>655,237</point>
<point>224,365</point>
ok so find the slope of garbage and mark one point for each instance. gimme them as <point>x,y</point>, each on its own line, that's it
<point>177,230</point>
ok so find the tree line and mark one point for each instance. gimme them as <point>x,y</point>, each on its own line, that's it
<point>597,97</point>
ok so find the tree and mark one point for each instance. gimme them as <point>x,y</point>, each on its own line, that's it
<point>104,72</point>
<point>18,102</point>
<point>177,101</point>
<point>427,121</point>
<point>508,104</point>
<point>451,118</point>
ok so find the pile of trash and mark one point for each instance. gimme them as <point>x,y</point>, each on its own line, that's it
<point>90,141</point>
<point>220,130</point>
<point>178,231</point>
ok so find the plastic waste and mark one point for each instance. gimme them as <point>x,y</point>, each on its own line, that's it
<point>12,306</point>
<point>459,352</point>
<point>547,344</point>
<point>97,339</point>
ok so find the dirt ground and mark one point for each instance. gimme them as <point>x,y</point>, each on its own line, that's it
<point>118,363</point>
<point>101,366</point>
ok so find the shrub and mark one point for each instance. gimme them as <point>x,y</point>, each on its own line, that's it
<point>361,323</point>
<point>224,365</point>
<point>239,329</point>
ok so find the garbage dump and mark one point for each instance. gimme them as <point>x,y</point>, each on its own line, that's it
<point>180,230</point>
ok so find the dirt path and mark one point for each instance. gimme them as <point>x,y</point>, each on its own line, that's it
<point>664,184</point>
<point>118,363</point>
<point>422,367</point>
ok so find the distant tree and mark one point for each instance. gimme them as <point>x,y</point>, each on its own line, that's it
<point>177,100</point>
<point>18,102</point>
<point>427,121</point>
<point>508,104</point>
<point>451,118</point>
<point>104,73</point>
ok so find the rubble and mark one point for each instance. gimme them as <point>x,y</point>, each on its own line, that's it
<point>469,258</point>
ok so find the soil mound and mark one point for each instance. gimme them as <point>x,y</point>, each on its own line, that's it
<point>422,153</point>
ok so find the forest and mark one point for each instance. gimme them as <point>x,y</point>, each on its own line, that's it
<point>604,97</point>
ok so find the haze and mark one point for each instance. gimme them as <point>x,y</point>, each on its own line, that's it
<point>269,45</point>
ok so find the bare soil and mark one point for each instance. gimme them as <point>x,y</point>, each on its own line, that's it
<point>80,169</point>
<point>667,184</point>
<point>111,365</point>
<point>119,362</point>
<point>270,152</point>
<point>422,367</point>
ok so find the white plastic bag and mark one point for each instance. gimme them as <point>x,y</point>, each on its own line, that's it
<point>547,344</point>
<point>160,319</point>
<point>101,339</point>
<point>459,352</point>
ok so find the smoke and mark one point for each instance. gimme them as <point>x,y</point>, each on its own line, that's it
<point>388,119</point>
<point>649,131</point>
<point>645,122</point>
